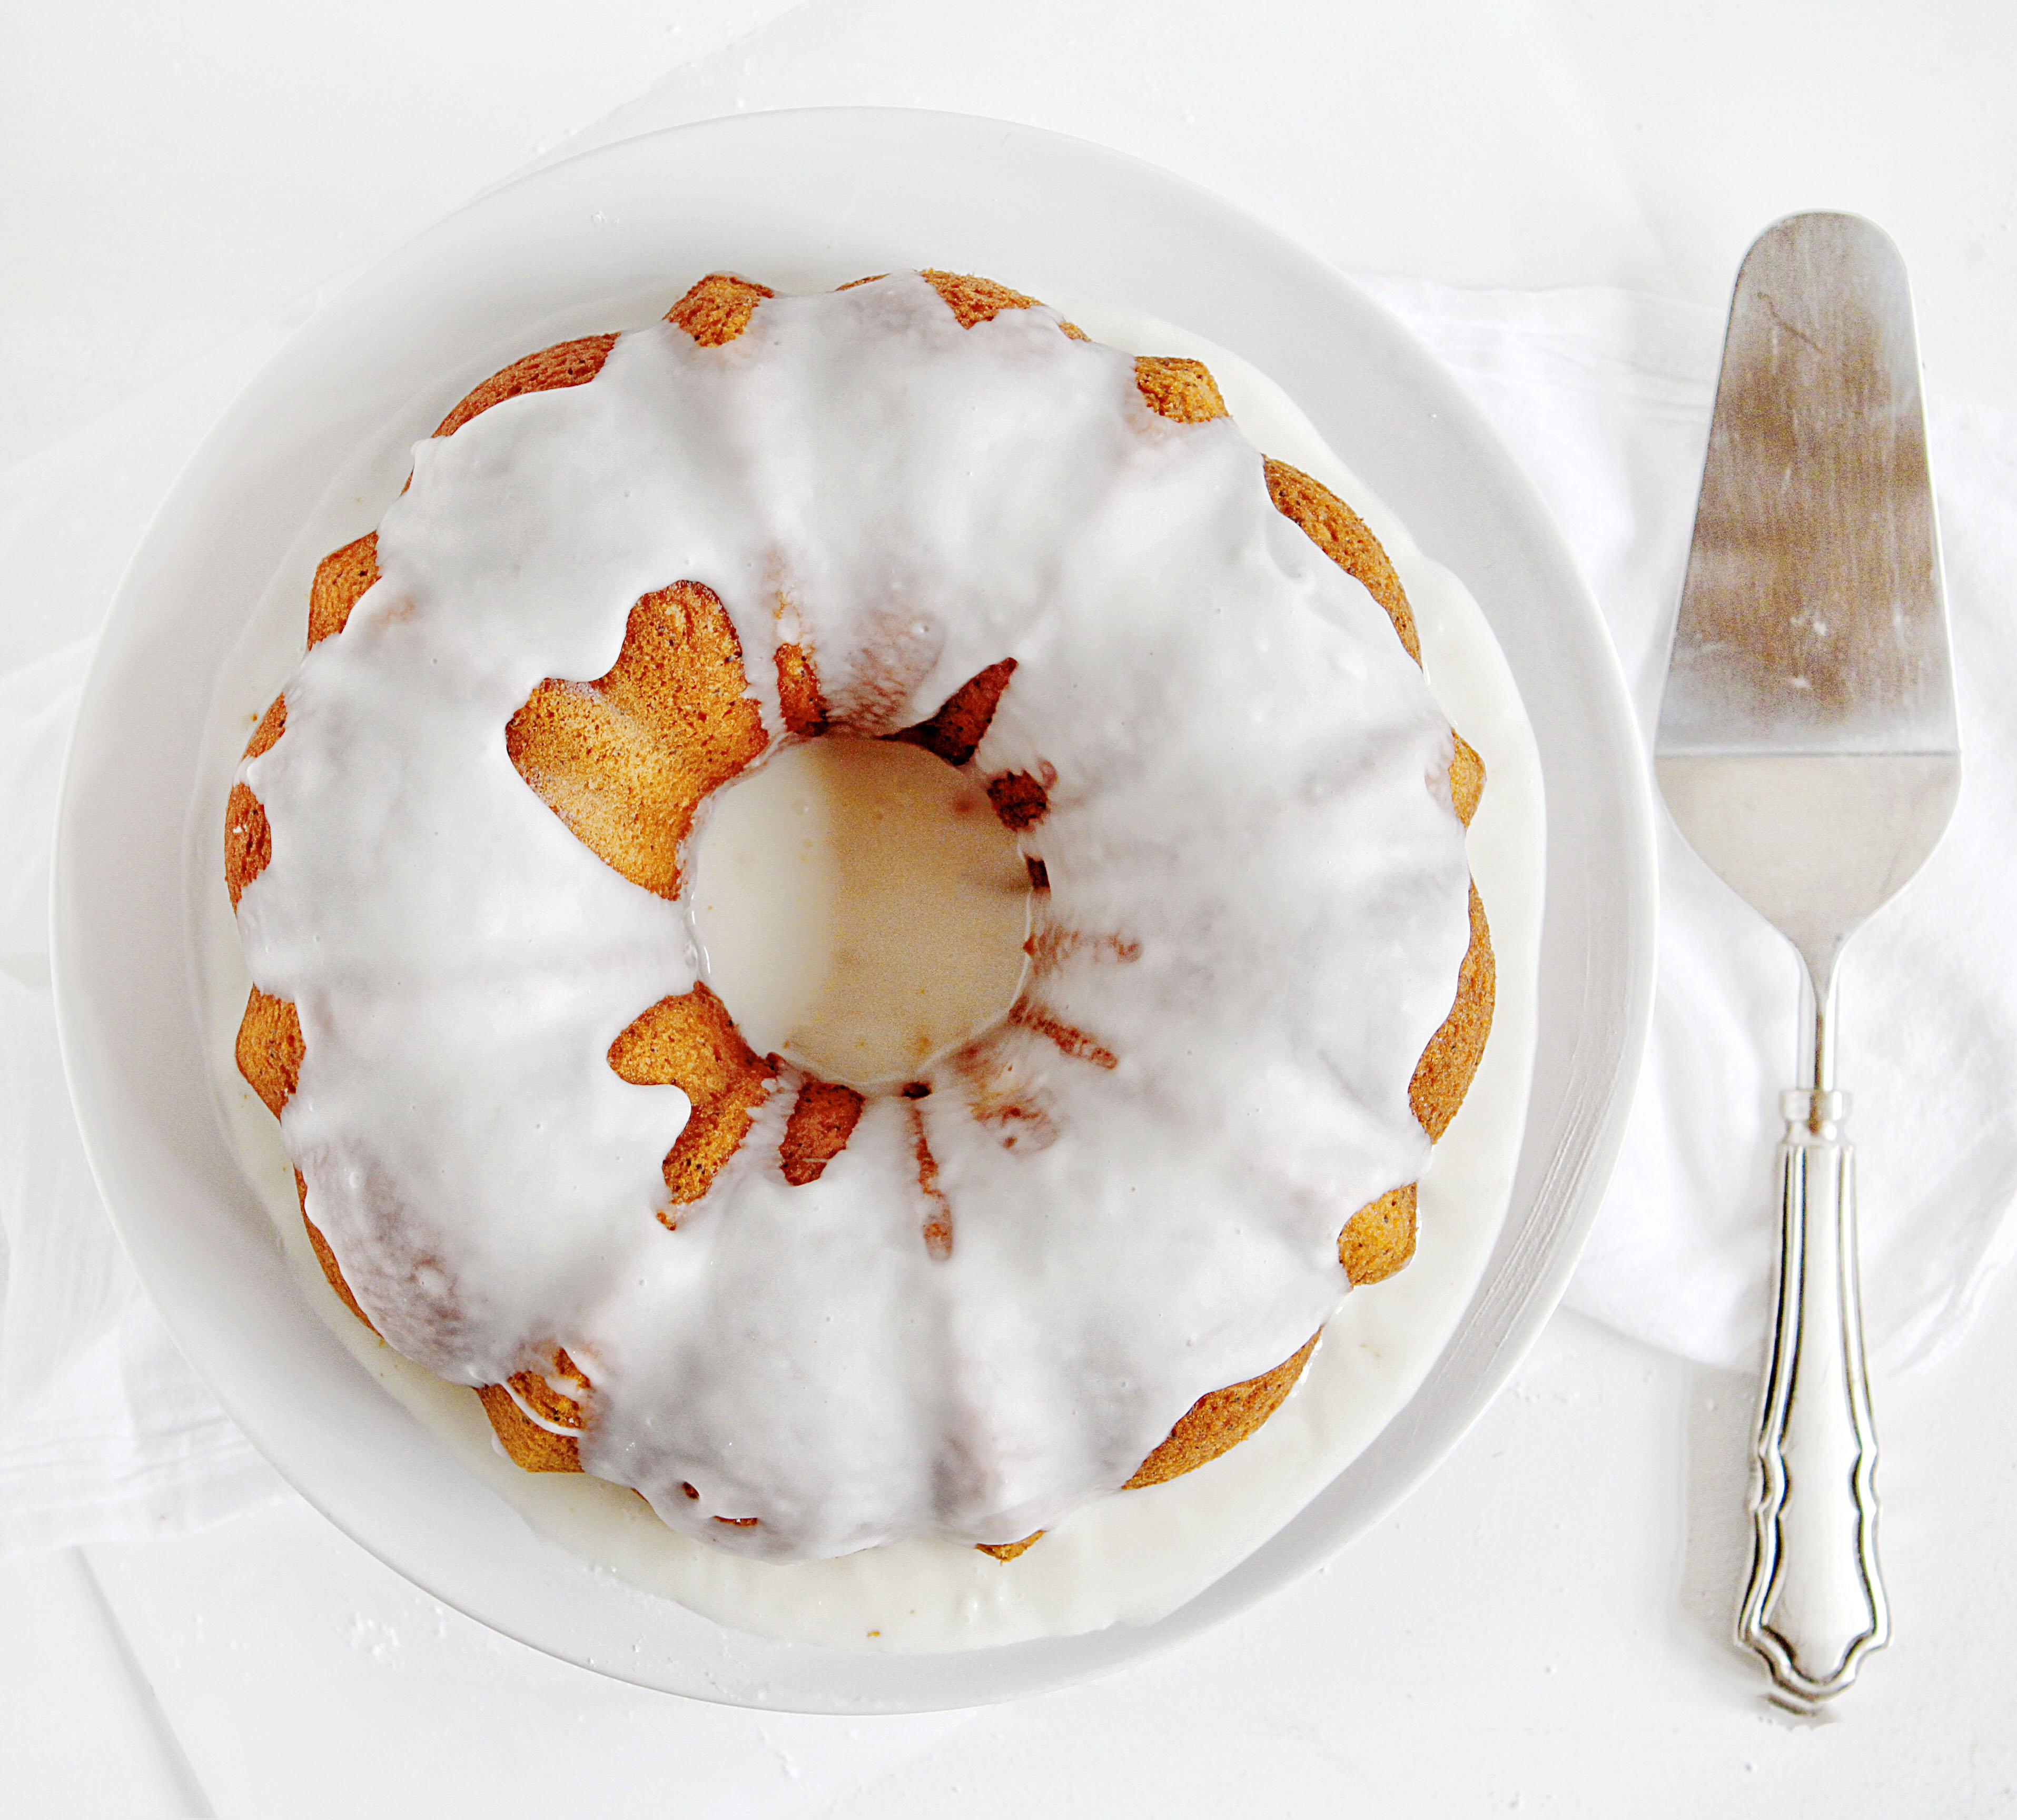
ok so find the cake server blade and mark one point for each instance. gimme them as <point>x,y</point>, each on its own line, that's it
<point>1808,749</point>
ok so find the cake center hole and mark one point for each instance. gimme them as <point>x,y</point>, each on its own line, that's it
<point>860,909</point>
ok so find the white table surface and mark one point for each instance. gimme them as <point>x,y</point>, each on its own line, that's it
<point>1542,1627</point>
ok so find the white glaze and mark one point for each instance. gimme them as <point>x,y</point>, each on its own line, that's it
<point>859,905</point>
<point>1237,1123</point>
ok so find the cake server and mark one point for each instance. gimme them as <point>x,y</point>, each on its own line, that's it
<point>1808,749</point>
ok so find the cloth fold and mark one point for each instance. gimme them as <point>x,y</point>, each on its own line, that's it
<point>1604,396</point>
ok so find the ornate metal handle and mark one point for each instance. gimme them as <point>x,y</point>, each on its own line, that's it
<point>1816,1606</point>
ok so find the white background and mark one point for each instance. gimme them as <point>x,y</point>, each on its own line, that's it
<point>1540,1628</point>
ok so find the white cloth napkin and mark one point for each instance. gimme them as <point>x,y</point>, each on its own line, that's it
<point>105,1433</point>
<point>1605,397</point>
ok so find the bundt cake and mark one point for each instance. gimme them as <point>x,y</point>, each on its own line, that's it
<point>1087,1248</point>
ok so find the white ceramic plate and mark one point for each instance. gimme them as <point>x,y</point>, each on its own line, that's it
<point>805,200</point>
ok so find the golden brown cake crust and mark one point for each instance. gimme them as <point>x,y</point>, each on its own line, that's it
<point>1221,1420</point>
<point>1443,1076</point>
<point>540,1393</point>
<point>626,761</point>
<point>718,308</point>
<point>531,1448</point>
<point>341,580</point>
<point>1183,391</point>
<point>1380,1238</point>
<point>1466,779</point>
<point>671,721</point>
<point>270,1049</point>
<point>1018,799</point>
<point>552,369</point>
<point>691,1042</point>
<point>823,1118</point>
<point>963,718</point>
<point>799,699</point>
<point>271,725</point>
<point>1341,535</point>
<point>977,300</point>
<point>248,840</point>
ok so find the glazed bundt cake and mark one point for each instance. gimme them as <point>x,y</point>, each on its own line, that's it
<point>1088,1247</point>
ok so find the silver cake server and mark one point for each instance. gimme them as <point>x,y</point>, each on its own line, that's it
<point>1808,749</point>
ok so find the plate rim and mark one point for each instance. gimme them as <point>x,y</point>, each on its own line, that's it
<point>1563,1164</point>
